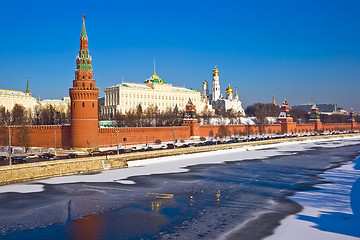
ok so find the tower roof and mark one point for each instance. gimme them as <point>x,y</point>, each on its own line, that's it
<point>83,30</point>
<point>28,86</point>
<point>229,89</point>
<point>215,71</point>
<point>285,102</point>
<point>314,106</point>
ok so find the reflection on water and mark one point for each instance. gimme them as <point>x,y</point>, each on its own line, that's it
<point>217,195</point>
<point>86,228</point>
<point>162,198</point>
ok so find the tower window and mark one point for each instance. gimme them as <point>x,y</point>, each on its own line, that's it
<point>83,77</point>
<point>89,77</point>
<point>93,104</point>
<point>83,85</point>
<point>90,84</point>
<point>83,104</point>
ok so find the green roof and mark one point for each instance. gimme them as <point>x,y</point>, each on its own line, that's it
<point>83,30</point>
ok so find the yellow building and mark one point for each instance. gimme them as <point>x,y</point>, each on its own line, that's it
<point>154,92</point>
<point>8,98</point>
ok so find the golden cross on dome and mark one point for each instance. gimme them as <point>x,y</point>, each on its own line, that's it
<point>84,16</point>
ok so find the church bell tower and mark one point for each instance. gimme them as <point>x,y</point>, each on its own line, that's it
<point>215,85</point>
<point>84,100</point>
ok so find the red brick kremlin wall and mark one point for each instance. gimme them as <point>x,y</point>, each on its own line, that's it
<point>40,136</point>
<point>44,136</point>
<point>108,136</point>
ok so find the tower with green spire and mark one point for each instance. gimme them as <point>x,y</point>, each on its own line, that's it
<point>84,100</point>
<point>28,87</point>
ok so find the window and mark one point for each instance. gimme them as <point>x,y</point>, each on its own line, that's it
<point>83,77</point>
<point>83,85</point>
<point>83,104</point>
<point>93,104</point>
<point>90,85</point>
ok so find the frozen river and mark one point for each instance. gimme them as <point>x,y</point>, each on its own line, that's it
<point>243,193</point>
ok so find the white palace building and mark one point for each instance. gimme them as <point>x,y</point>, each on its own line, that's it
<point>154,92</point>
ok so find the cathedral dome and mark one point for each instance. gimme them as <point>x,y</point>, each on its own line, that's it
<point>229,89</point>
<point>215,71</point>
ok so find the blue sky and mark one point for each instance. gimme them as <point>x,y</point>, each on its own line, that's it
<point>306,51</point>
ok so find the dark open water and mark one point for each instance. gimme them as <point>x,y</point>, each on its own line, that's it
<point>204,203</point>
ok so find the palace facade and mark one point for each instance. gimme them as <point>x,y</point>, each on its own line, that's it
<point>8,98</point>
<point>154,92</point>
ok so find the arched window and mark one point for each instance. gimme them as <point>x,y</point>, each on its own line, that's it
<point>83,85</point>
<point>83,104</point>
<point>89,77</point>
<point>83,77</point>
<point>90,85</point>
<point>93,105</point>
<point>74,105</point>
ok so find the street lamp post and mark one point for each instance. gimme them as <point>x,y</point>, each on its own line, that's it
<point>55,141</point>
<point>9,145</point>
<point>117,141</point>
<point>125,140</point>
<point>174,135</point>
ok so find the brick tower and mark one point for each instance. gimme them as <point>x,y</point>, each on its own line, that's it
<point>191,120</point>
<point>84,100</point>
<point>285,119</point>
<point>315,118</point>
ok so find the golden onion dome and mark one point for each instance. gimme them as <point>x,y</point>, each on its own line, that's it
<point>229,89</point>
<point>215,71</point>
<point>205,83</point>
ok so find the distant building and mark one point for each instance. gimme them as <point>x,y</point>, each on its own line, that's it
<point>61,105</point>
<point>8,98</point>
<point>154,92</point>
<point>323,108</point>
<point>216,100</point>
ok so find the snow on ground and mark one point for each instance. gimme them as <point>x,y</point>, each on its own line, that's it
<point>330,213</point>
<point>176,164</point>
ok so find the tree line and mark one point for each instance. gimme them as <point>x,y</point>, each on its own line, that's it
<point>150,117</point>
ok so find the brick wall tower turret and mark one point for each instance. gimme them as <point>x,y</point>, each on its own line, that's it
<point>84,100</point>
<point>352,120</point>
<point>285,119</point>
<point>315,118</point>
<point>191,121</point>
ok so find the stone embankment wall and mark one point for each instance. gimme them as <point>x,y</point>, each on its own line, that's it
<point>31,171</point>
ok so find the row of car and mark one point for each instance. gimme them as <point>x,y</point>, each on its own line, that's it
<point>49,156</point>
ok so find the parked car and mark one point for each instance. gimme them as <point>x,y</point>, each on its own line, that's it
<point>48,156</point>
<point>19,159</point>
<point>32,156</point>
<point>72,155</point>
<point>96,153</point>
<point>2,158</point>
<point>170,146</point>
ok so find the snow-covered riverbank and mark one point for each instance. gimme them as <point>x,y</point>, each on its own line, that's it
<point>331,213</point>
